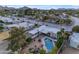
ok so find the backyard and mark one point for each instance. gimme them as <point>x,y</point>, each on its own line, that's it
<point>35,44</point>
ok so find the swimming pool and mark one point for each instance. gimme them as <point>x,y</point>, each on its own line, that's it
<point>49,44</point>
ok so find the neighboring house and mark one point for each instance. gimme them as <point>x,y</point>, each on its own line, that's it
<point>6,19</point>
<point>13,20</point>
<point>74,40</point>
<point>23,24</point>
<point>63,16</point>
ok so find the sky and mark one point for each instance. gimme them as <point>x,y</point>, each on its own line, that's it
<point>45,6</point>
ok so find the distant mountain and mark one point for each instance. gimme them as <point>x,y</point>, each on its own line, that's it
<point>7,8</point>
<point>24,8</point>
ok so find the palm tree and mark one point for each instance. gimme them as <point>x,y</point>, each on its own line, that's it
<point>61,36</point>
<point>17,39</point>
<point>65,34</point>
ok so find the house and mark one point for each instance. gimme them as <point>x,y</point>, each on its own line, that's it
<point>44,29</point>
<point>6,19</point>
<point>23,24</point>
<point>74,40</point>
<point>63,16</point>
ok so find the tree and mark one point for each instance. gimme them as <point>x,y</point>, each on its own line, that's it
<point>42,51</point>
<point>45,18</point>
<point>1,21</point>
<point>20,13</point>
<point>61,21</point>
<point>75,29</point>
<point>17,39</point>
<point>68,21</point>
<point>61,36</point>
<point>29,39</point>
<point>1,28</point>
<point>59,40</point>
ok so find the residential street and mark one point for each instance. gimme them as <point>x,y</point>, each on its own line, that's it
<point>68,28</point>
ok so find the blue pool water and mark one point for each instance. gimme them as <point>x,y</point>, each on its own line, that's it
<point>49,44</point>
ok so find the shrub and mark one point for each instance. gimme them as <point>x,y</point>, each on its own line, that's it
<point>42,51</point>
<point>54,50</point>
<point>75,28</point>
<point>1,28</point>
<point>68,21</point>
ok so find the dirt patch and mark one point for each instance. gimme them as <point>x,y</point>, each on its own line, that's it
<point>4,35</point>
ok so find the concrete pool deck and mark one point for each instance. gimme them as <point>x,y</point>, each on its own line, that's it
<point>33,44</point>
<point>37,43</point>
